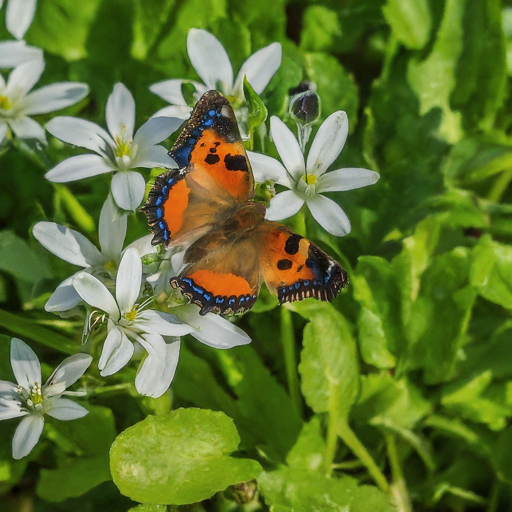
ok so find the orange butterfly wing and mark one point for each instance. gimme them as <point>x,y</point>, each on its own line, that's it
<point>214,178</point>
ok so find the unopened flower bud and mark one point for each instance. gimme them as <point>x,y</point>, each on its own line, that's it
<point>305,104</point>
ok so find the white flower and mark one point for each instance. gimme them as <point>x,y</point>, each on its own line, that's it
<point>118,151</point>
<point>32,400</point>
<point>17,103</point>
<point>308,180</point>
<point>19,15</point>
<point>212,64</point>
<point>74,248</point>
<point>157,332</point>
<point>14,53</point>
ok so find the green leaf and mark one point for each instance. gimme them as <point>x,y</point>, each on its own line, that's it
<point>179,458</point>
<point>91,436</point>
<point>309,450</point>
<point>433,78</point>
<point>257,110</point>
<point>500,455</point>
<point>321,29</point>
<point>410,21</point>
<point>62,27</point>
<point>328,365</point>
<point>304,491</point>
<point>491,271</point>
<point>147,507</point>
<point>19,260</point>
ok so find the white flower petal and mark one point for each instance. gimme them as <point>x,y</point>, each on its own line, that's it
<point>79,167</point>
<point>11,411</point>
<point>154,156</point>
<point>67,244</point>
<point>3,130</point>
<point>95,293</point>
<point>170,90</point>
<point>287,147</point>
<point>112,230</point>
<point>209,59</point>
<point>121,113</point>
<point>212,330</point>
<point>179,111</point>
<point>64,297</point>
<point>13,53</point>
<point>26,128</point>
<point>25,364</point>
<point>128,189</point>
<point>65,409</point>
<point>8,390</point>
<point>346,179</point>
<point>162,323</point>
<point>19,16</point>
<point>156,130</point>
<point>80,132</point>
<point>157,371</point>
<point>284,205</point>
<point>259,68</point>
<point>329,215</point>
<point>70,370</point>
<point>27,435</point>
<point>128,280</point>
<point>267,168</point>
<point>54,97</point>
<point>143,245</point>
<point>117,351</point>
<point>328,143</point>
<point>24,77</point>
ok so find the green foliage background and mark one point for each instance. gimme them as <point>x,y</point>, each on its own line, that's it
<point>404,386</point>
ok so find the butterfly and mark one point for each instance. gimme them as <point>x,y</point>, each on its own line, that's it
<point>206,207</point>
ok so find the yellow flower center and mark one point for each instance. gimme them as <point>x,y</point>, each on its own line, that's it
<point>110,266</point>
<point>131,314</point>
<point>36,395</point>
<point>5,103</point>
<point>309,179</point>
<point>124,148</point>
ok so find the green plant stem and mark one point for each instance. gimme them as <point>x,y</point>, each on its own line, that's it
<point>348,436</point>
<point>290,359</point>
<point>494,497</point>
<point>500,186</point>
<point>114,389</point>
<point>65,444</point>
<point>399,487</point>
<point>348,465</point>
<point>27,328</point>
<point>331,445</point>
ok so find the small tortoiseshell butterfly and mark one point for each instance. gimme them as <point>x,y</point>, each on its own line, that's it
<point>206,206</point>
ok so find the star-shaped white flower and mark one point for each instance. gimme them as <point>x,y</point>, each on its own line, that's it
<point>129,321</point>
<point>31,399</point>
<point>17,102</point>
<point>213,66</point>
<point>14,53</point>
<point>120,150</point>
<point>19,15</point>
<point>308,180</point>
<point>74,248</point>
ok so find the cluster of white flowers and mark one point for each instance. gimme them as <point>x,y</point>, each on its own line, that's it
<point>113,283</point>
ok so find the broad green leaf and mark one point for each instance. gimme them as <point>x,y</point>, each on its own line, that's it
<point>147,507</point>
<point>321,29</point>
<point>476,158</point>
<point>257,110</point>
<point>373,341</point>
<point>433,79</point>
<point>410,21</point>
<point>328,366</point>
<point>335,86</point>
<point>19,260</point>
<point>309,450</point>
<point>491,271</point>
<point>179,458</point>
<point>91,436</point>
<point>304,491</point>
<point>62,27</point>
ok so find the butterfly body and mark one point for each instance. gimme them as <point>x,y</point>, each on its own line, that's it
<point>206,207</point>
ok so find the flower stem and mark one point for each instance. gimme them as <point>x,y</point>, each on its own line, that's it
<point>290,359</point>
<point>115,389</point>
<point>399,487</point>
<point>494,498</point>
<point>500,186</point>
<point>358,449</point>
<point>331,445</point>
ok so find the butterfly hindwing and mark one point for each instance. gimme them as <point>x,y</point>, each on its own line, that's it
<point>214,176</point>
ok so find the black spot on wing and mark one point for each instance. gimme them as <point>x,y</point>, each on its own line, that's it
<point>212,159</point>
<point>292,244</point>
<point>236,163</point>
<point>284,264</point>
